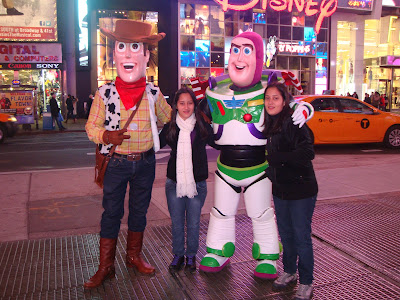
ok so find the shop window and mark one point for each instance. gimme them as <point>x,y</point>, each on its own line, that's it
<point>245,16</point>
<point>228,42</point>
<point>259,17</point>
<point>231,16</point>
<point>187,26</point>
<point>217,59</point>
<point>294,63</point>
<point>231,29</point>
<point>216,27</point>
<point>322,50</point>
<point>310,21</point>
<point>298,19</point>
<point>298,33</point>
<point>217,72</point>
<point>187,42</point>
<point>272,30</point>
<point>217,43</point>
<point>187,11</point>
<point>322,35</point>
<point>203,73</point>
<point>282,62</point>
<point>285,18</point>
<point>272,16</point>
<point>187,73</point>
<point>216,13</point>
<point>202,12</point>
<point>309,34</point>
<point>259,28</point>
<point>286,33</point>
<point>246,27</point>
<point>187,58</point>
<point>305,63</point>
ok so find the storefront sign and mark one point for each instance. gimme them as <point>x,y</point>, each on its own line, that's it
<point>292,47</point>
<point>15,66</point>
<point>21,53</point>
<point>356,4</point>
<point>19,103</point>
<point>38,21</point>
<point>325,9</point>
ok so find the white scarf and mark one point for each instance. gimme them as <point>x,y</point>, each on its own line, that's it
<point>185,184</point>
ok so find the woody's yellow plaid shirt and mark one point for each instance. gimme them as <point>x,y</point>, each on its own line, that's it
<point>141,138</point>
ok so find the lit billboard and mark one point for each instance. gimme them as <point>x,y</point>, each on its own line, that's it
<point>34,20</point>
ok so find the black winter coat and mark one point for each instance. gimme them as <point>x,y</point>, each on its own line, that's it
<point>289,154</point>
<point>199,154</point>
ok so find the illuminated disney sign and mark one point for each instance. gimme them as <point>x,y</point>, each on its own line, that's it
<point>325,8</point>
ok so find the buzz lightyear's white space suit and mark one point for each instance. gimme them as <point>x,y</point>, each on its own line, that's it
<point>238,118</point>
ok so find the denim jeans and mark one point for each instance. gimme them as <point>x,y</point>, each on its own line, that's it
<point>140,176</point>
<point>294,225</point>
<point>181,209</point>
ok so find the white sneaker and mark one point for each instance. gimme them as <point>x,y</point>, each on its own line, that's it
<point>304,292</point>
<point>284,280</point>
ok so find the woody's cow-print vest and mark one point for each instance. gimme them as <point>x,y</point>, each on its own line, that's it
<point>111,99</point>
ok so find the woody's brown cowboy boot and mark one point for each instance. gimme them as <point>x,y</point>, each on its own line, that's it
<point>133,250</point>
<point>106,268</point>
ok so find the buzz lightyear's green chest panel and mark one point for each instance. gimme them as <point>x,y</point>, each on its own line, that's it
<point>227,105</point>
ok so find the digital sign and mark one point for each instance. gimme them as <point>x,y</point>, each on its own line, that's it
<point>29,21</point>
<point>355,4</point>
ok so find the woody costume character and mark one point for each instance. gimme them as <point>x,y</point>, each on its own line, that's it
<point>236,104</point>
<point>133,161</point>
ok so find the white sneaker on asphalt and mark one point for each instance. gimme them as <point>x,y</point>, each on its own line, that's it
<point>304,291</point>
<point>284,280</point>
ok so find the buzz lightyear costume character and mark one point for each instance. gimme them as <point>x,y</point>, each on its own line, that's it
<point>236,103</point>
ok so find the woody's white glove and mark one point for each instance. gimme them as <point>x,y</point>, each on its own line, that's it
<point>303,111</point>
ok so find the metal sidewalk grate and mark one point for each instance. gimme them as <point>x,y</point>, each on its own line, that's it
<point>56,268</point>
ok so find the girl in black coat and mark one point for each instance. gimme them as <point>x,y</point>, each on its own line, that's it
<point>294,188</point>
<point>186,189</point>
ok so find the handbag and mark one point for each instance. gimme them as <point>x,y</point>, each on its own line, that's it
<point>103,160</point>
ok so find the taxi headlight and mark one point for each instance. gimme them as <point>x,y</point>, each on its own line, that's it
<point>12,119</point>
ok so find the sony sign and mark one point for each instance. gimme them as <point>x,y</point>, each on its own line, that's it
<point>47,66</point>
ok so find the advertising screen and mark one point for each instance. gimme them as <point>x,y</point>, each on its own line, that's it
<point>83,33</point>
<point>34,20</point>
<point>18,103</point>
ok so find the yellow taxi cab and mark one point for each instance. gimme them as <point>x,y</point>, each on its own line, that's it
<point>8,126</point>
<point>346,120</point>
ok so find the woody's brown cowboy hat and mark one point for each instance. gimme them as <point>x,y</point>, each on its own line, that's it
<point>131,31</point>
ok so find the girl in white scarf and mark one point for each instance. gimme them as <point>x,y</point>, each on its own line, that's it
<point>186,189</point>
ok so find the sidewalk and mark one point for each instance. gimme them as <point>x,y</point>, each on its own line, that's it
<point>355,235</point>
<point>79,125</point>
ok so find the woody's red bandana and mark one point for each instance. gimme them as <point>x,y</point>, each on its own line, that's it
<point>131,92</point>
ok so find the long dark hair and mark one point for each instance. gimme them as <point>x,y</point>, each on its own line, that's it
<point>274,126</point>
<point>171,135</point>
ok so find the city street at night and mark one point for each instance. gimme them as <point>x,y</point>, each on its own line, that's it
<point>50,224</point>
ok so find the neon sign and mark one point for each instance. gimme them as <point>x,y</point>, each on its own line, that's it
<point>294,48</point>
<point>326,8</point>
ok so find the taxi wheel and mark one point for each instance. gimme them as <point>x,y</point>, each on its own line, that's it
<point>2,133</point>
<point>392,137</point>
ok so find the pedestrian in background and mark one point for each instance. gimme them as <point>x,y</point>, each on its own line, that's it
<point>89,105</point>
<point>367,98</point>
<point>375,99</point>
<point>55,112</point>
<point>70,108</point>
<point>294,188</point>
<point>355,95</point>
<point>186,189</point>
